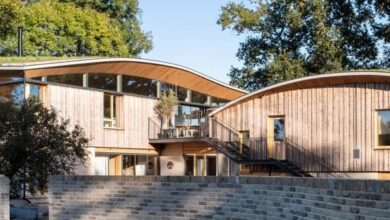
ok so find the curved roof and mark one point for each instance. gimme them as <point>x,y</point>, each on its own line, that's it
<point>166,72</point>
<point>321,80</point>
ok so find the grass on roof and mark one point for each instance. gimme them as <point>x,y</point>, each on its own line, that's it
<point>29,59</point>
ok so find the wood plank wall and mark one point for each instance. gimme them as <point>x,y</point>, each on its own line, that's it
<point>323,125</point>
<point>85,107</point>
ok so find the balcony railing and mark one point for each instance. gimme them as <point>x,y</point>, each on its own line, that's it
<point>198,130</point>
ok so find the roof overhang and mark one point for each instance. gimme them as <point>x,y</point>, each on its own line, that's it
<point>166,72</point>
<point>322,80</point>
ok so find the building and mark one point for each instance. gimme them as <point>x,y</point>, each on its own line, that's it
<point>113,99</point>
<point>335,125</point>
<point>332,125</point>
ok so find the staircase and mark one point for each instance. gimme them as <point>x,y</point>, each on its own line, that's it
<point>236,149</point>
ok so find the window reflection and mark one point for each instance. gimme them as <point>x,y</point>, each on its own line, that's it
<point>102,81</point>
<point>199,98</point>
<point>218,102</point>
<point>139,165</point>
<point>14,92</point>
<point>279,129</point>
<point>110,111</point>
<point>384,128</point>
<point>188,115</point>
<point>138,85</point>
<point>69,79</point>
<point>11,76</point>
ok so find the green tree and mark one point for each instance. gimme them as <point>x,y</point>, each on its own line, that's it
<point>287,39</point>
<point>127,13</point>
<point>64,28</point>
<point>36,143</point>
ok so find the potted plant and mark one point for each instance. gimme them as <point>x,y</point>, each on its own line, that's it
<point>164,109</point>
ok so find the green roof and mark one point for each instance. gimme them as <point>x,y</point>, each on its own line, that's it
<point>39,59</point>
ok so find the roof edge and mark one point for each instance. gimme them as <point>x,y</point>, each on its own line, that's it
<point>52,64</point>
<point>302,79</point>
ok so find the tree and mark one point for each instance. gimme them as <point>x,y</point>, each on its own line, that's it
<point>36,143</point>
<point>126,12</point>
<point>165,106</point>
<point>64,28</point>
<point>287,39</point>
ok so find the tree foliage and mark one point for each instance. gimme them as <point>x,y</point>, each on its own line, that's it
<point>165,105</point>
<point>74,28</point>
<point>287,39</point>
<point>36,143</point>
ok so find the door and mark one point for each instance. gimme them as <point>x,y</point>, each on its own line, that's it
<point>211,164</point>
<point>276,137</point>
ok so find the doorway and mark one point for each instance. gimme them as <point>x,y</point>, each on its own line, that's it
<point>275,137</point>
<point>201,165</point>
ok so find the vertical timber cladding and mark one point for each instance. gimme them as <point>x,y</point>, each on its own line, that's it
<point>324,125</point>
<point>85,107</point>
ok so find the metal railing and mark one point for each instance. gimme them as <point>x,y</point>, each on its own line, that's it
<point>157,131</point>
<point>307,160</point>
<point>231,138</point>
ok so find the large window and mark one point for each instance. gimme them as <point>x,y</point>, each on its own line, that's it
<point>102,81</point>
<point>139,165</point>
<point>138,85</point>
<point>111,104</point>
<point>198,98</point>
<point>383,128</point>
<point>188,115</point>
<point>69,79</point>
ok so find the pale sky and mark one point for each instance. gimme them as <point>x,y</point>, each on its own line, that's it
<point>185,32</point>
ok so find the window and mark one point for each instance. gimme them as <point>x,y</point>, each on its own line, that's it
<point>14,92</point>
<point>218,102</point>
<point>11,76</point>
<point>199,98</point>
<point>140,86</point>
<point>188,115</point>
<point>68,79</point>
<point>35,91</point>
<point>139,165</point>
<point>181,94</point>
<point>102,81</point>
<point>279,129</point>
<point>111,111</point>
<point>383,128</point>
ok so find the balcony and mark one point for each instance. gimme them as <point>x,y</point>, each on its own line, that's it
<point>187,130</point>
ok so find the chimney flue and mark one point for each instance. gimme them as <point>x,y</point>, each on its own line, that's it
<point>20,41</point>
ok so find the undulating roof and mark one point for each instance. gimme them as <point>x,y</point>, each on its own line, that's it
<point>151,69</point>
<point>322,80</point>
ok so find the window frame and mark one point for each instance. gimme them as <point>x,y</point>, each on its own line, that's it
<point>115,110</point>
<point>376,132</point>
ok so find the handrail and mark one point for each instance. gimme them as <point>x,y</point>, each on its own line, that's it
<point>157,131</point>
<point>300,156</point>
<point>231,139</point>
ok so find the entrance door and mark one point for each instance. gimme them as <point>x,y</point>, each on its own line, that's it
<point>275,137</point>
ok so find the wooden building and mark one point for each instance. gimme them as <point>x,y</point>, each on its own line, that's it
<point>113,99</point>
<point>325,125</point>
<point>332,125</point>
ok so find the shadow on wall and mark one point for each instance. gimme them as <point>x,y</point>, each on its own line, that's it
<point>296,154</point>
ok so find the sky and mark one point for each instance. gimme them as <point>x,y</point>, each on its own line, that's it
<point>185,32</point>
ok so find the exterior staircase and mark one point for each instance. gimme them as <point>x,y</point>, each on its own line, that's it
<point>237,150</point>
